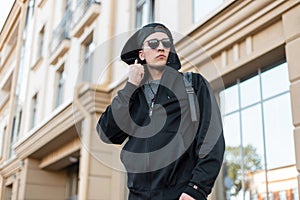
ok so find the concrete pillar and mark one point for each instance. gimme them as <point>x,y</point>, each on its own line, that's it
<point>97,161</point>
<point>41,184</point>
<point>291,27</point>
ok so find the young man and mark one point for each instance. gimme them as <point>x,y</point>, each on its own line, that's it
<point>174,139</point>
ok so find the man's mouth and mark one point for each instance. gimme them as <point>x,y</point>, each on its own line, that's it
<point>161,56</point>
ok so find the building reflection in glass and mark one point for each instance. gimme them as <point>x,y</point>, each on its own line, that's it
<point>259,160</point>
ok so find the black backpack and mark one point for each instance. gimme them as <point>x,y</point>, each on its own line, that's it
<point>188,82</point>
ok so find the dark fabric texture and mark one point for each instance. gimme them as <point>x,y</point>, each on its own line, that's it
<point>188,168</point>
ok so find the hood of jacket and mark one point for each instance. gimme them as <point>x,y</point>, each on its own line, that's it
<point>130,51</point>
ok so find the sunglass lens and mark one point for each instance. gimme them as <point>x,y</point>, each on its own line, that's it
<point>153,44</point>
<point>166,43</point>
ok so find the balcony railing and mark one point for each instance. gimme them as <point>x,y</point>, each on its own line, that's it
<point>81,9</point>
<point>61,32</point>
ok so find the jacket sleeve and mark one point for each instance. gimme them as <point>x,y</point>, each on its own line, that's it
<point>210,144</point>
<point>108,126</point>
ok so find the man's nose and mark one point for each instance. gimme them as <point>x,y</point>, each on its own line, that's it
<point>160,46</point>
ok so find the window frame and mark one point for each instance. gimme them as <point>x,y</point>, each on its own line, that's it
<point>88,47</point>
<point>139,12</point>
<point>262,101</point>
<point>60,85</point>
<point>41,43</point>
<point>33,113</point>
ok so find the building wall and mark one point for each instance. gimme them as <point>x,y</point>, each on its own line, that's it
<point>36,183</point>
<point>237,44</point>
<point>291,18</point>
<point>237,38</point>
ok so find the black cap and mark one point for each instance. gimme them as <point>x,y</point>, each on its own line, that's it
<point>130,51</point>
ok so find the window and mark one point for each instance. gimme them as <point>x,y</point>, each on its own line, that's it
<point>144,12</point>
<point>60,80</point>
<point>33,110</point>
<point>72,182</point>
<point>254,197</point>
<point>41,43</point>
<point>21,85</point>
<point>201,8</point>
<point>67,4</point>
<point>295,193</point>
<point>16,126</point>
<point>257,117</point>
<point>87,67</point>
<point>30,11</point>
<point>2,139</point>
<point>12,136</point>
<point>282,195</point>
<point>29,18</point>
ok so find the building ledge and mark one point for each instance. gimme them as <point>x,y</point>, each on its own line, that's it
<point>4,97</point>
<point>37,63</point>
<point>41,3</point>
<point>10,167</point>
<point>6,82</point>
<point>61,50</point>
<point>12,21</point>
<point>44,138</point>
<point>89,17</point>
<point>6,60</point>
<point>62,156</point>
<point>61,128</point>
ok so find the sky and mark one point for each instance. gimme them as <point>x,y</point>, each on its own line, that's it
<point>5,7</point>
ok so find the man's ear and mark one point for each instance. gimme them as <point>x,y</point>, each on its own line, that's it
<point>141,55</point>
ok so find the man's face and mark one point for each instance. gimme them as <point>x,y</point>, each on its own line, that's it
<point>155,49</point>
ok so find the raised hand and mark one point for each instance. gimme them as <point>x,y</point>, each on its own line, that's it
<point>136,73</point>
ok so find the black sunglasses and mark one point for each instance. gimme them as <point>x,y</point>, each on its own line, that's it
<point>154,43</point>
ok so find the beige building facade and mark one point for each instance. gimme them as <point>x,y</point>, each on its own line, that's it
<point>60,68</point>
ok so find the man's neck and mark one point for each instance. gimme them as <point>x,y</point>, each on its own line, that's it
<point>156,72</point>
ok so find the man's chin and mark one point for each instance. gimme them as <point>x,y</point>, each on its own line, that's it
<point>157,67</point>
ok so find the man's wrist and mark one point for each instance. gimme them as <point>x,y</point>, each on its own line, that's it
<point>194,191</point>
<point>133,83</point>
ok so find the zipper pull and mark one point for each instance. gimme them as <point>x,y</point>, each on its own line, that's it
<point>151,107</point>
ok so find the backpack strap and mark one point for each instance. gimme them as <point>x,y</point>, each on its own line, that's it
<point>188,80</point>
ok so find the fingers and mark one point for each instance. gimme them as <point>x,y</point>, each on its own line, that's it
<point>136,73</point>
<point>185,196</point>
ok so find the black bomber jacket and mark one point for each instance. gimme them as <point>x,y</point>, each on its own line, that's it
<point>183,156</point>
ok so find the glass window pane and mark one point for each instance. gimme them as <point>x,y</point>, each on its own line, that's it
<point>282,195</point>
<point>279,132</point>
<point>295,193</point>
<point>252,138</point>
<point>231,126</point>
<point>254,197</point>
<point>250,91</point>
<point>232,163</point>
<point>275,81</point>
<point>229,99</point>
<point>2,137</point>
<point>275,124</point>
<point>253,149</point>
<point>144,12</point>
